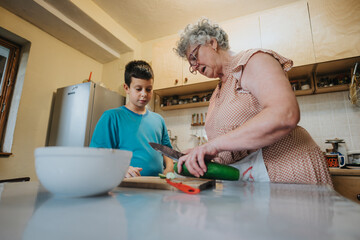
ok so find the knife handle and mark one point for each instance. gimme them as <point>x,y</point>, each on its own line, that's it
<point>183,187</point>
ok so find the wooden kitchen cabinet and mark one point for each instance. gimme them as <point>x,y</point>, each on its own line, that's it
<point>336,28</point>
<point>167,66</point>
<point>287,30</point>
<point>243,32</point>
<point>347,182</point>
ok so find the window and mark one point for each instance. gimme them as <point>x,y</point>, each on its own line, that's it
<point>9,60</point>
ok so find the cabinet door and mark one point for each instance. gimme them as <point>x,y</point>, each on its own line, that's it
<point>348,186</point>
<point>243,33</point>
<point>167,66</point>
<point>287,31</point>
<point>336,28</point>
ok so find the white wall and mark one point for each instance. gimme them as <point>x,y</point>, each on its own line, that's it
<point>51,64</point>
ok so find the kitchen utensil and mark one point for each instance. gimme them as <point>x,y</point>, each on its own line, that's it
<point>183,187</point>
<point>339,149</point>
<point>80,171</point>
<point>158,183</point>
<point>171,153</point>
<point>332,160</point>
<point>354,91</point>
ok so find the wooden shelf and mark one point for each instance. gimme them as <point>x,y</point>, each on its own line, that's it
<point>304,92</point>
<point>337,88</point>
<point>345,171</point>
<point>188,89</point>
<point>197,124</point>
<point>317,70</point>
<point>187,105</point>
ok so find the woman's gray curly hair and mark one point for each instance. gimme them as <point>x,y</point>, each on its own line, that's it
<point>201,33</point>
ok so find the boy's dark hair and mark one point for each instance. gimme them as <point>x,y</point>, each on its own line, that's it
<point>138,69</point>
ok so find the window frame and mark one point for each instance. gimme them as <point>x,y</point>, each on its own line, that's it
<point>7,87</point>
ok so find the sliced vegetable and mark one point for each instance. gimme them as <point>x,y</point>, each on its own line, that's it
<point>162,175</point>
<point>170,175</point>
<point>214,171</point>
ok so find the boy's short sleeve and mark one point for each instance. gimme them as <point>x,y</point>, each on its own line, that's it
<point>105,132</point>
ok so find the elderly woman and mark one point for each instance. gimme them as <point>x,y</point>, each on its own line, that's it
<point>253,113</point>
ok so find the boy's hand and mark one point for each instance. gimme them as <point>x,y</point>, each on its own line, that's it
<point>133,172</point>
<point>169,165</point>
<point>168,169</point>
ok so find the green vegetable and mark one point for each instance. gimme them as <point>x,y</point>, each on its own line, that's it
<point>214,171</point>
<point>162,175</point>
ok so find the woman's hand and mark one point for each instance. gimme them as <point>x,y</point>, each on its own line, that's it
<point>133,172</point>
<point>195,159</point>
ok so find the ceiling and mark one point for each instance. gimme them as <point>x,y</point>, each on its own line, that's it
<point>105,29</point>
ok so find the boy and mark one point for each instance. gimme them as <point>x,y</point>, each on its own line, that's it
<point>132,127</point>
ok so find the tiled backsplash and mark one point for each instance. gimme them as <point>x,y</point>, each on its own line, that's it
<point>331,115</point>
<point>179,123</point>
<point>324,116</point>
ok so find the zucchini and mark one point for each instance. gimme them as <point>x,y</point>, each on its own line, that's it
<point>214,171</point>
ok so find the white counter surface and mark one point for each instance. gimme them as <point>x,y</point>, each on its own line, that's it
<point>232,210</point>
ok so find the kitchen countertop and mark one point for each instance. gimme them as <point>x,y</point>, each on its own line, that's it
<point>231,210</point>
<point>345,171</point>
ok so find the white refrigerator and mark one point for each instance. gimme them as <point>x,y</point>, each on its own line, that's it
<point>76,110</point>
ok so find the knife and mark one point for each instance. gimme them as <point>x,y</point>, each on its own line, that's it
<point>171,153</point>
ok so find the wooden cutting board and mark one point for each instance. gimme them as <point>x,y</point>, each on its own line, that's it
<point>158,183</point>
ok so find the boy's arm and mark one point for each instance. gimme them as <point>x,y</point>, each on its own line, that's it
<point>169,165</point>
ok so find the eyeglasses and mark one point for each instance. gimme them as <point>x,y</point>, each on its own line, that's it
<point>193,59</point>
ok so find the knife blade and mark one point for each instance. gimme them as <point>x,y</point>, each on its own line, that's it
<point>169,152</point>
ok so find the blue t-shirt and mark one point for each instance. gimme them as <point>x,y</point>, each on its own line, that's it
<point>121,128</point>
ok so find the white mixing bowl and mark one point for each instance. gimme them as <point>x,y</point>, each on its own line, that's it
<point>80,171</point>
